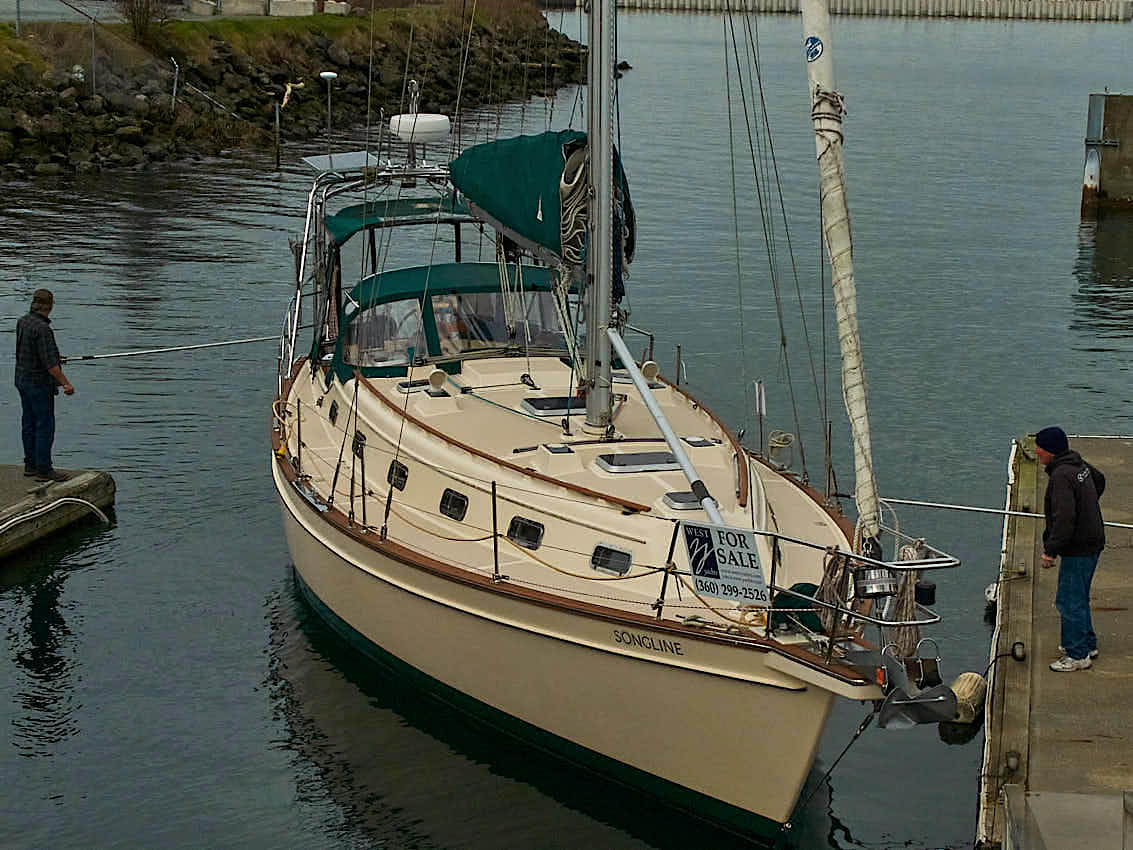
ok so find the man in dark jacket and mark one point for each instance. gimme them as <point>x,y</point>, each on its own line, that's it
<point>39,374</point>
<point>1074,532</point>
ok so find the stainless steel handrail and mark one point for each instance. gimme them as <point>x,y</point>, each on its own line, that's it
<point>944,562</point>
<point>932,616</point>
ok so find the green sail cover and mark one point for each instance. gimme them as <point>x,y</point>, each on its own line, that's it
<point>516,182</point>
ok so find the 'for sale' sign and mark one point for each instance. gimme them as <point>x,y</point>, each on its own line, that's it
<point>725,563</point>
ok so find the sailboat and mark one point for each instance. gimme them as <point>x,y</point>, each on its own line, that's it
<point>483,489</point>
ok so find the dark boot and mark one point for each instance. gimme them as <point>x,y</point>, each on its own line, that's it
<point>52,475</point>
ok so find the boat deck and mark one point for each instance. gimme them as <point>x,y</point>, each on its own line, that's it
<point>472,440</point>
<point>1069,732</point>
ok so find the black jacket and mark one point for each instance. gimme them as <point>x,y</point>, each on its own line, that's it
<point>36,351</point>
<point>1073,518</point>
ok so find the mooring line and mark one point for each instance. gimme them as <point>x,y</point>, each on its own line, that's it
<point>88,357</point>
<point>979,510</point>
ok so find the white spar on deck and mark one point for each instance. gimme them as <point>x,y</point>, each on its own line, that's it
<point>826,112</point>
<point>674,442</point>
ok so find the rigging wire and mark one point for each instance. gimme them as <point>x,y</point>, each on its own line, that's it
<point>369,118</point>
<point>753,38</point>
<point>736,219</point>
<point>826,776</point>
<point>764,212</point>
<point>454,147</point>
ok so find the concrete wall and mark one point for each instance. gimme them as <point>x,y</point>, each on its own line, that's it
<point>242,7</point>
<point>1115,177</point>
<point>291,8</point>
<point>202,8</point>
<point>1045,10</point>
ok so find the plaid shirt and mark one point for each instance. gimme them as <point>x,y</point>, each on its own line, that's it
<point>36,351</point>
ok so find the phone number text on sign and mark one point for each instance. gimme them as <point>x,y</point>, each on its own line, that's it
<point>725,563</point>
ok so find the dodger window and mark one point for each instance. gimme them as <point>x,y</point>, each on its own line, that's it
<point>384,334</point>
<point>484,320</point>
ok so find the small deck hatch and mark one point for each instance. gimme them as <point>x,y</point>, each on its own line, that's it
<point>638,462</point>
<point>682,500</point>
<point>553,405</point>
<point>698,442</point>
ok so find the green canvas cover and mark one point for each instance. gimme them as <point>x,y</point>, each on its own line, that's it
<point>440,278</point>
<point>390,212</point>
<point>516,182</point>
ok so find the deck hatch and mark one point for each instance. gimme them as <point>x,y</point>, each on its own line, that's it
<point>553,405</point>
<point>682,500</point>
<point>607,559</point>
<point>698,442</point>
<point>453,504</point>
<point>525,532</point>
<point>398,474</point>
<point>637,462</point>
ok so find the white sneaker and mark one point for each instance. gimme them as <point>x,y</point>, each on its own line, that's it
<point>1066,664</point>
<point>1093,652</point>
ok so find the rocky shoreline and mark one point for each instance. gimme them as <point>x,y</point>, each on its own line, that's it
<point>55,119</point>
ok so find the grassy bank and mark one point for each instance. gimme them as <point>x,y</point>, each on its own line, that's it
<point>60,112</point>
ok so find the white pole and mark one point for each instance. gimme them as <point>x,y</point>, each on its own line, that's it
<point>600,254</point>
<point>329,77</point>
<point>826,112</point>
<point>674,442</point>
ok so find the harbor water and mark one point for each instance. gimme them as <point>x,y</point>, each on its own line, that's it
<point>161,684</point>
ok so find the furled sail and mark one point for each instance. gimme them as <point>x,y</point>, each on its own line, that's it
<point>826,112</point>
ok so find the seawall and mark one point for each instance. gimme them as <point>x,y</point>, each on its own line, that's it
<point>203,87</point>
<point>1035,10</point>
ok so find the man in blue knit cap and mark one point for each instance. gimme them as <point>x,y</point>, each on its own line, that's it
<point>1075,533</point>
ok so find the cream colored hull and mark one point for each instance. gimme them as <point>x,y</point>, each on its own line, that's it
<point>706,715</point>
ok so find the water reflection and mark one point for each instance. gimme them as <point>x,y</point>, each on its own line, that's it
<point>383,763</point>
<point>45,650</point>
<point>43,645</point>
<point>1103,300</point>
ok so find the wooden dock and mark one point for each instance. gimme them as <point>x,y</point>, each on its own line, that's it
<point>1033,10</point>
<point>32,510</point>
<point>1058,753</point>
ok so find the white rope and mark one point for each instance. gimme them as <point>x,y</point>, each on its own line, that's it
<point>16,520</point>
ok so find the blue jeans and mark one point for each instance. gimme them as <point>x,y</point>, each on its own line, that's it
<point>1075,574</point>
<point>38,430</point>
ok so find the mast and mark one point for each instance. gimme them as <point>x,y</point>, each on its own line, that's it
<point>826,112</point>
<point>600,251</point>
